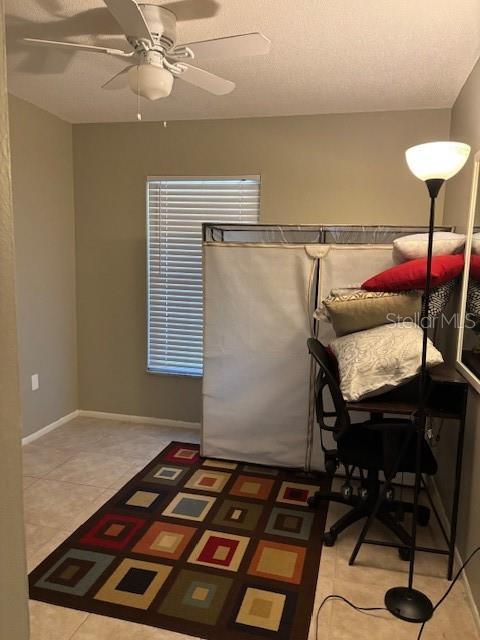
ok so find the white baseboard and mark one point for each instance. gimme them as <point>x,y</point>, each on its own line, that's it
<point>443,516</point>
<point>50,427</point>
<point>161,422</point>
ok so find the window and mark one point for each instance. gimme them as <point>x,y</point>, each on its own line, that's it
<point>176,209</point>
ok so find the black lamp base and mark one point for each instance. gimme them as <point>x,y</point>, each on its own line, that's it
<point>408,604</point>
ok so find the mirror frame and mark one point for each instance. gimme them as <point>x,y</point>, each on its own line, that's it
<point>461,367</point>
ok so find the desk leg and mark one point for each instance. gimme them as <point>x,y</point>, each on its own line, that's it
<point>456,494</point>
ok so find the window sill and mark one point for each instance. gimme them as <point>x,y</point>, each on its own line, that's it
<point>174,374</point>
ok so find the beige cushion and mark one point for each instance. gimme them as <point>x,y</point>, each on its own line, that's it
<point>364,309</point>
<point>476,243</point>
<point>416,245</point>
<point>374,361</point>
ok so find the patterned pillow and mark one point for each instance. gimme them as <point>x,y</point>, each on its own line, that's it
<point>473,301</point>
<point>439,297</point>
<point>374,361</point>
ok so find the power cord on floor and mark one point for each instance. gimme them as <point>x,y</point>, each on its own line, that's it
<point>350,604</point>
<point>367,609</point>
<point>457,576</point>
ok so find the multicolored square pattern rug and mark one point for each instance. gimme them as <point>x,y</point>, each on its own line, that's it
<point>204,547</point>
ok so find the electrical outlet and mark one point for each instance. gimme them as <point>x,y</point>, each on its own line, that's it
<point>35,382</point>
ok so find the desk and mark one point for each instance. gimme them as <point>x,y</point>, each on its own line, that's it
<point>447,399</point>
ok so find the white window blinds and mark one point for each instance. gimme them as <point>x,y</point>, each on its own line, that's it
<point>176,209</point>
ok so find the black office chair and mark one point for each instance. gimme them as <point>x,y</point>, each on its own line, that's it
<point>374,446</point>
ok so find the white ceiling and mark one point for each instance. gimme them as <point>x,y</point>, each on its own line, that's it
<point>328,56</point>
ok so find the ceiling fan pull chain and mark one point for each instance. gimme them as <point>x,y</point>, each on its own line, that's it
<point>139,115</point>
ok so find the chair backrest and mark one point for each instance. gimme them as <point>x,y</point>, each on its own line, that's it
<point>326,380</point>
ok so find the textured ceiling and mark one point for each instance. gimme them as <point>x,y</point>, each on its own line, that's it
<point>328,56</point>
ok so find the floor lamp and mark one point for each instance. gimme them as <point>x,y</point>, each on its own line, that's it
<point>433,163</point>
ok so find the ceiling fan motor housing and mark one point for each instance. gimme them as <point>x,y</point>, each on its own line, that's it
<point>162,24</point>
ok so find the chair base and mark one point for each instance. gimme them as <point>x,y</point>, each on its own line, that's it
<point>361,508</point>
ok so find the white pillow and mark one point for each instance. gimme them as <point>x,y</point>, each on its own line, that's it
<point>476,243</point>
<point>374,361</point>
<point>416,245</point>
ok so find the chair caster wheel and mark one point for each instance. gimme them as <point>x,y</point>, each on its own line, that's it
<point>347,491</point>
<point>363,493</point>
<point>404,554</point>
<point>423,516</point>
<point>329,538</point>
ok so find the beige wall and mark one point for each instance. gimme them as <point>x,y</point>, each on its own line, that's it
<point>466,128</point>
<point>13,583</point>
<point>315,169</point>
<point>42,173</point>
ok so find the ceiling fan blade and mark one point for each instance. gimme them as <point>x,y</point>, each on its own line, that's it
<point>77,46</point>
<point>247,44</point>
<point>119,81</point>
<point>206,81</point>
<point>129,16</point>
<point>54,6</point>
<point>192,9</point>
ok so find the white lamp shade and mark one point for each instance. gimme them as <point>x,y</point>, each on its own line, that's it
<point>437,160</point>
<point>150,81</point>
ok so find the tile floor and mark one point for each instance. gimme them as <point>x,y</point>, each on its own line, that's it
<point>70,472</point>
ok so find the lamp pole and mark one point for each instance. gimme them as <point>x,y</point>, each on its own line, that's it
<point>433,163</point>
<point>408,603</point>
<point>433,187</point>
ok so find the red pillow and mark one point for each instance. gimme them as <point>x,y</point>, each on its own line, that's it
<point>475,267</point>
<point>412,274</point>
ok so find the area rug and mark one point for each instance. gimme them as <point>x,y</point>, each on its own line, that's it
<point>203,547</point>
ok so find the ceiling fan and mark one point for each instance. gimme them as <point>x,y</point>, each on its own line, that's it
<point>151,31</point>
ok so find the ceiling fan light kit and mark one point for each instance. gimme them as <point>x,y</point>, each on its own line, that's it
<point>151,32</point>
<point>150,81</point>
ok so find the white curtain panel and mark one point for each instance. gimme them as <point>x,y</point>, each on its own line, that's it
<point>256,380</point>
<point>257,403</point>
